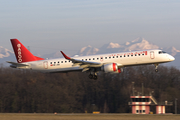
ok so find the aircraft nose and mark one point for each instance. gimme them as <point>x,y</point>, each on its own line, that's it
<point>171,58</point>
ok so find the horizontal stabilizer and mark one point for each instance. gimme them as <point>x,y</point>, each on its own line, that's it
<point>15,65</point>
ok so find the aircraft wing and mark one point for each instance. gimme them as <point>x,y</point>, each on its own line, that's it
<point>83,64</point>
<point>13,64</point>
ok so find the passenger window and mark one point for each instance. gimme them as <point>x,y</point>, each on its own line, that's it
<point>105,57</point>
<point>97,58</point>
<point>142,54</point>
<point>89,58</point>
<point>93,58</point>
<point>128,55</point>
<point>139,54</point>
<point>65,61</point>
<point>113,56</point>
<point>51,63</point>
<point>109,57</point>
<point>120,56</point>
<point>86,59</point>
<point>58,61</point>
<point>116,56</point>
<point>131,55</point>
<point>54,62</point>
<point>124,56</point>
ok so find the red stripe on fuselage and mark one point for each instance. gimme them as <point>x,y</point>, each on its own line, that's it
<point>114,67</point>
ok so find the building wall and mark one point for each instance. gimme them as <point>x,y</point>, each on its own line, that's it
<point>160,109</point>
<point>140,109</point>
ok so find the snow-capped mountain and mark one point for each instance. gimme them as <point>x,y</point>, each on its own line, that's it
<point>5,52</point>
<point>88,50</point>
<point>137,44</point>
<point>6,55</point>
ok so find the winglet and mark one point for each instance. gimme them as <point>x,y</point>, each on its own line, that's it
<point>65,56</point>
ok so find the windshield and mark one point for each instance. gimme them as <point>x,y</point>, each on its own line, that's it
<point>161,52</point>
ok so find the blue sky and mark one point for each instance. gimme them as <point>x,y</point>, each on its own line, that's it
<point>51,25</point>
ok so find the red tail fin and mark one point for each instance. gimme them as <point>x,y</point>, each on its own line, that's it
<point>22,53</point>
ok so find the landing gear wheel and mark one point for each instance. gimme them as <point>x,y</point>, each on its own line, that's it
<point>91,76</point>
<point>95,77</point>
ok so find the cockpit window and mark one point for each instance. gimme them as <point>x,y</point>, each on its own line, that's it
<point>161,52</point>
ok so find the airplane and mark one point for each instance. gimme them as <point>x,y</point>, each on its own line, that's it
<point>108,63</point>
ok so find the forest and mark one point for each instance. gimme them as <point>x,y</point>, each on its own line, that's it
<point>26,91</point>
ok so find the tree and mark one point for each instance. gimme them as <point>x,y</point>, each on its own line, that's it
<point>28,91</point>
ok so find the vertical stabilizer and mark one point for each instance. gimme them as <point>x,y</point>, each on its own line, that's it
<point>22,53</point>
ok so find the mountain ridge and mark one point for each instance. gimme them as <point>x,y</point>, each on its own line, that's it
<point>137,44</point>
<point>4,52</point>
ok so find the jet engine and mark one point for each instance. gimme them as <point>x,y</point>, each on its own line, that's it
<point>111,68</point>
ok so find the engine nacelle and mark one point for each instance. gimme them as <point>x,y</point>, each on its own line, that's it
<point>119,70</point>
<point>111,68</point>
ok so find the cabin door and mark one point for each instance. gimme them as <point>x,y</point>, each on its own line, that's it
<point>152,55</point>
<point>45,64</point>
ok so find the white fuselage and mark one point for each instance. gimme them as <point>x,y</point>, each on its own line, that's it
<point>123,59</point>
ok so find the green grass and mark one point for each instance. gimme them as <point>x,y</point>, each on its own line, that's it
<point>49,116</point>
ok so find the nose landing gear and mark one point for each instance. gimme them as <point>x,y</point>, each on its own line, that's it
<point>156,67</point>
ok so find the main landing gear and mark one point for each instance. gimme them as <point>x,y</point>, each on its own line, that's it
<point>93,76</point>
<point>156,67</point>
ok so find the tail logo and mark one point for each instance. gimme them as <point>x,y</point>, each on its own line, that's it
<point>19,53</point>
